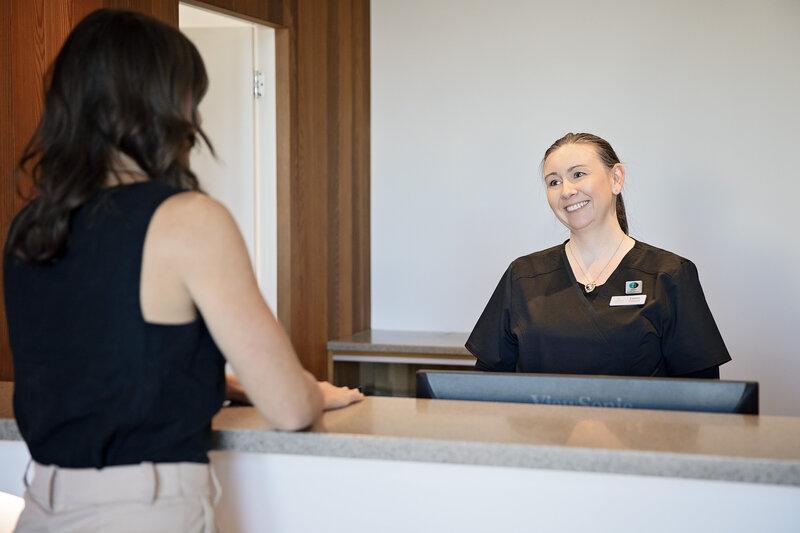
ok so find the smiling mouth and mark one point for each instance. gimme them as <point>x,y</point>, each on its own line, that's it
<point>575,207</point>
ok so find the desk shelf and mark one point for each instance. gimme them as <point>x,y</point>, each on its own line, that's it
<point>384,362</point>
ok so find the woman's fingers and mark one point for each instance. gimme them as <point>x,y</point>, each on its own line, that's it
<point>337,397</point>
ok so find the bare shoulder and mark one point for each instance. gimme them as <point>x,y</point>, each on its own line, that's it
<point>192,214</point>
<point>190,229</point>
<point>192,209</point>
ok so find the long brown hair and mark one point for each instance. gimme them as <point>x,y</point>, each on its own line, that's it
<point>122,83</point>
<point>607,155</point>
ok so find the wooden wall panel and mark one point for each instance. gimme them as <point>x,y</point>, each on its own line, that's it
<point>340,199</point>
<point>32,34</point>
<point>310,238</point>
<point>360,290</point>
<point>27,66</point>
<point>58,23</point>
<point>323,145</point>
<point>81,8</point>
<point>348,91</point>
<point>164,10</point>
<point>6,122</point>
<point>286,104</point>
<point>7,196</point>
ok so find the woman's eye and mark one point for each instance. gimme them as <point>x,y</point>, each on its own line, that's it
<point>554,183</point>
<point>579,174</point>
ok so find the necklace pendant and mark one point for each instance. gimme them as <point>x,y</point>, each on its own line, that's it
<point>589,287</point>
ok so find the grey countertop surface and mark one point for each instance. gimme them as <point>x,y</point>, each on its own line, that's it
<point>725,447</point>
<point>407,342</point>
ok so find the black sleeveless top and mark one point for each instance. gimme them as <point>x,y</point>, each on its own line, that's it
<point>95,384</point>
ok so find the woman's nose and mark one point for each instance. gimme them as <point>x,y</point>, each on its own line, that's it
<point>567,189</point>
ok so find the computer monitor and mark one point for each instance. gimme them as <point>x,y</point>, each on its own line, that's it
<point>677,394</point>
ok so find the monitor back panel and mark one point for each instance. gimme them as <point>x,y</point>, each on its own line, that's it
<point>714,396</point>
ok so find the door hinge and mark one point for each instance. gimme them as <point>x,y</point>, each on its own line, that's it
<point>258,84</point>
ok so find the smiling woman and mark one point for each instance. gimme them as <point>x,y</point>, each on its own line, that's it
<point>601,303</point>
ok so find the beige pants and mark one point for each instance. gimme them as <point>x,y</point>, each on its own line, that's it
<point>146,498</point>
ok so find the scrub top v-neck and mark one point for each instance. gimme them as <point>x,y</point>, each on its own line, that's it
<point>540,319</point>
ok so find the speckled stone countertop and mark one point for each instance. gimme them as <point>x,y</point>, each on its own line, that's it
<point>744,448</point>
<point>410,342</point>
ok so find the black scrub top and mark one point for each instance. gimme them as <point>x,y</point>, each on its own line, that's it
<point>540,319</point>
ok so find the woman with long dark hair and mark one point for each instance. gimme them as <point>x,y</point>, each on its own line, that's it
<point>601,303</point>
<point>124,287</point>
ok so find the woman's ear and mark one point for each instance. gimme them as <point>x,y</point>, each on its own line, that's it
<point>617,178</point>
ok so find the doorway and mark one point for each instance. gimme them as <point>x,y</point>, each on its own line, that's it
<point>239,116</point>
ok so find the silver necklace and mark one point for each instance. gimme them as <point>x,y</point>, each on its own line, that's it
<point>589,287</point>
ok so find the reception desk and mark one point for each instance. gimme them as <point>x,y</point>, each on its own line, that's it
<point>403,464</point>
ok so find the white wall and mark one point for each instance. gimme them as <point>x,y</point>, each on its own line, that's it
<point>699,99</point>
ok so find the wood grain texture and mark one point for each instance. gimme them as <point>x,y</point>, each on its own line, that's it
<point>58,23</point>
<point>333,171</point>
<point>26,73</point>
<point>32,34</point>
<point>81,8</point>
<point>163,10</point>
<point>268,12</point>
<point>286,105</point>
<point>340,195</point>
<point>7,151</point>
<point>28,68</point>
<point>323,118</point>
<point>361,133</point>
<point>350,310</point>
<point>310,274</point>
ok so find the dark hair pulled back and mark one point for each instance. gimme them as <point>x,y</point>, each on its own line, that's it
<point>607,156</point>
<point>122,83</point>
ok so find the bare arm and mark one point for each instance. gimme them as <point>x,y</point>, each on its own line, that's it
<point>205,261</point>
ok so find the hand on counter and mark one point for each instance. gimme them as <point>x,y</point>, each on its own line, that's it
<point>337,397</point>
<point>332,397</point>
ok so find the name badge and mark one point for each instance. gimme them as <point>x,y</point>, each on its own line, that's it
<point>635,299</point>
